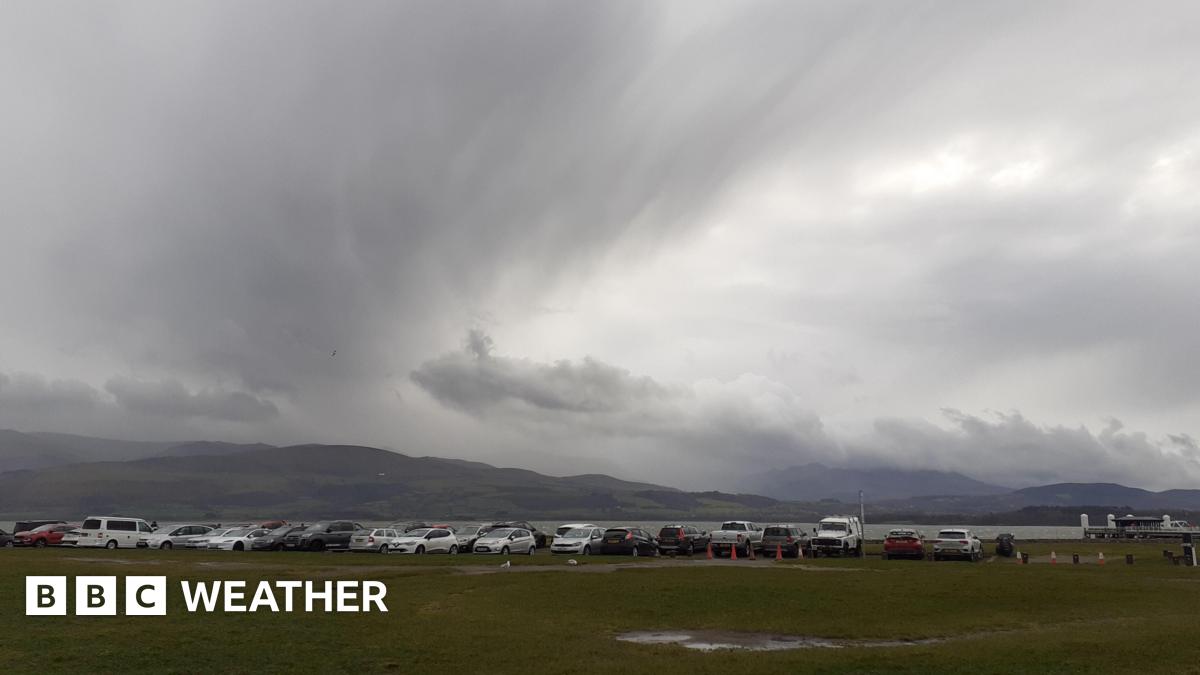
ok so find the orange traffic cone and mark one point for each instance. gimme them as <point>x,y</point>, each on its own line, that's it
<point>733,552</point>
<point>708,551</point>
<point>1053,558</point>
<point>779,551</point>
<point>1100,560</point>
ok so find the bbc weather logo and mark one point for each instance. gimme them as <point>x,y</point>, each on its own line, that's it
<point>95,596</point>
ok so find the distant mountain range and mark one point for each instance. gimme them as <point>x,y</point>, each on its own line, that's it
<point>49,475</point>
<point>816,481</point>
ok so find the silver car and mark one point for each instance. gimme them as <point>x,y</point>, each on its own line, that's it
<point>178,534</point>
<point>374,540</point>
<point>578,541</point>
<point>506,540</point>
<point>201,542</point>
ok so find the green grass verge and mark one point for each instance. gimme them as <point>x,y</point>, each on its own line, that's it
<point>996,617</point>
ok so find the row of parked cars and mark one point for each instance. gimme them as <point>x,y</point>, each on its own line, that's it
<point>835,535</point>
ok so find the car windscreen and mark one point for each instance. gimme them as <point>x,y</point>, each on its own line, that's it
<point>902,533</point>
<point>418,533</point>
<point>776,532</point>
<point>500,533</point>
<point>238,532</point>
<point>740,527</point>
<point>832,527</point>
<point>616,532</point>
<point>469,530</point>
<point>952,534</point>
<point>576,534</point>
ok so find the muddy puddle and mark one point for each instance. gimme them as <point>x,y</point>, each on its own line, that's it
<point>714,640</point>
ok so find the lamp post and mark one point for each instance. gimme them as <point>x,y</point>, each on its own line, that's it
<point>862,522</point>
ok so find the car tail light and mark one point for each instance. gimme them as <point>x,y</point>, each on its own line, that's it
<point>371,539</point>
<point>629,535</point>
<point>963,541</point>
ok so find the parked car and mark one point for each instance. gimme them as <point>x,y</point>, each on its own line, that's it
<point>466,537</point>
<point>28,525</point>
<point>740,534</point>
<point>685,539</point>
<point>240,539</point>
<point>1006,545</point>
<point>108,532</point>
<point>506,540</point>
<point>563,529</point>
<point>6,539</point>
<point>578,541</point>
<point>200,542</point>
<point>374,539</point>
<point>957,543</point>
<point>43,535</point>
<point>837,535</point>
<point>168,536</point>
<point>789,540</point>
<point>904,542</point>
<point>538,536</point>
<point>631,541</point>
<point>274,540</point>
<point>328,535</point>
<point>425,540</point>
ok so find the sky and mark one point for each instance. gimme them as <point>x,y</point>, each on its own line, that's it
<point>682,242</point>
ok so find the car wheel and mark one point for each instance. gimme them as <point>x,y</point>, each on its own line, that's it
<point>504,551</point>
<point>384,549</point>
<point>40,543</point>
<point>277,547</point>
<point>317,545</point>
<point>532,550</point>
<point>635,551</point>
<point>9,544</point>
<point>587,550</point>
<point>420,550</point>
<point>691,549</point>
<point>239,546</point>
<point>884,555</point>
<point>453,549</point>
<point>166,546</point>
<point>112,543</point>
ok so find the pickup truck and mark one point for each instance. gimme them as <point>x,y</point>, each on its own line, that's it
<point>741,534</point>
<point>837,535</point>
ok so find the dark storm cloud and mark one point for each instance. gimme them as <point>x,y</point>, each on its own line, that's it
<point>23,393</point>
<point>170,398</point>
<point>270,213</point>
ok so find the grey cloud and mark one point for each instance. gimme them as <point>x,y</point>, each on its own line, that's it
<point>28,392</point>
<point>170,398</point>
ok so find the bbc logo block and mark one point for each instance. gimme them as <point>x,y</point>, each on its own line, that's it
<point>95,596</point>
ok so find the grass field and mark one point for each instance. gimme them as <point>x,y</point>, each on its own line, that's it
<point>463,613</point>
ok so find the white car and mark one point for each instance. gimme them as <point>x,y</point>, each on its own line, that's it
<point>957,543</point>
<point>167,537</point>
<point>426,540</point>
<point>374,540</point>
<point>578,541</point>
<point>563,529</point>
<point>240,539</point>
<point>201,542</point>
<point>505,541</point>
<point>108,532</point>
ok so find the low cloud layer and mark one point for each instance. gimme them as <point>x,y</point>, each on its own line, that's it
<point>723,427</point>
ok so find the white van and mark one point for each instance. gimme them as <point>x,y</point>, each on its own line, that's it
<point>111,532</point>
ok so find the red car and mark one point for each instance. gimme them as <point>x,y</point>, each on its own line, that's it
<point>46,535</point>
<point>904,543</point>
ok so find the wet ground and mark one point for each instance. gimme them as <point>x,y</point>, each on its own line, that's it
<point>714,640</point>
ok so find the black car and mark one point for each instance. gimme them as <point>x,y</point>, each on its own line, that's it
<point>275,539</point>
<point>631,541</point>
<point>6,539</point>
<point>1005,545</point>
<point>539,537</point>
<point>685,539</point>
<point>325,535</point>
